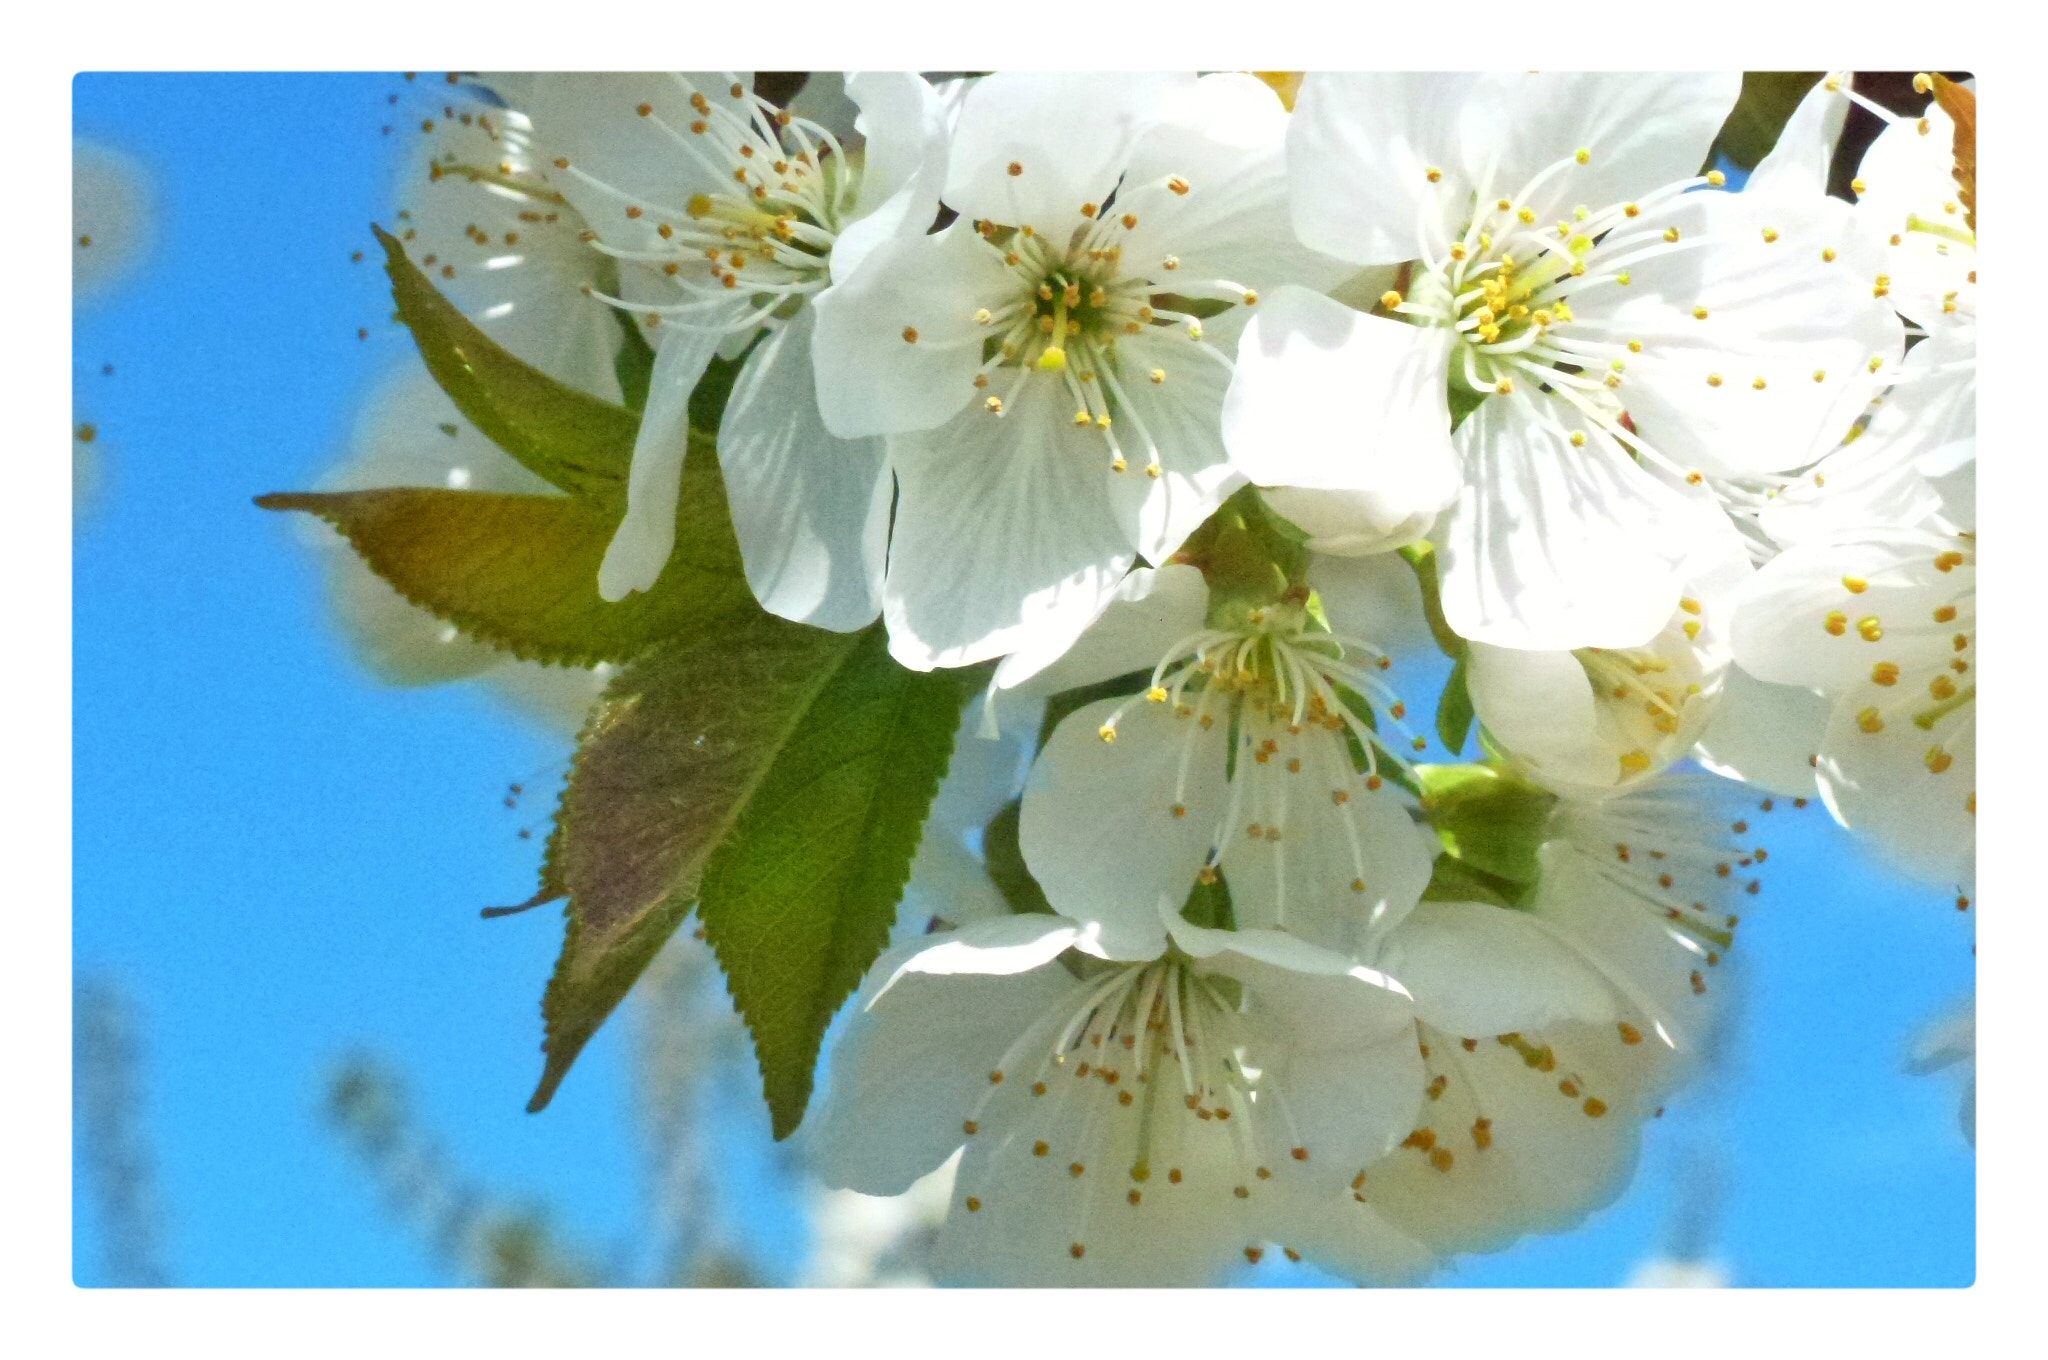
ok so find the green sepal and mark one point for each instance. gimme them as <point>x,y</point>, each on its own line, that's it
<point>1454,880</point>
<point>1490,819</point>
<point>1454,709</point>
<point>1421,559</point>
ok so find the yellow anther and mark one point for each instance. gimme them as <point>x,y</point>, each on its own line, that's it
<point>1690,605</point>
<point>1699,314</point>
<point>1876,362</point>
<point>1820,375</point>
<point>1390,299</point>
<point>1692,629</point>
<point>1635,347</point>
<point>1624,278</point>
<point>1759,384</point>
<point>1177,185</point>
<point>1770,235</point>
<point>1433,174</point>
<point>1869,629</point>
<point>1870,720</point>
<point>1582,155</point>
<point>1082,418</point>
<point>1827,254</point>
<point>1107,732</point>
<point>1251,297</point>
<point>1458,251</point>
<point>1129,220</point>
<point>1941,687</point>
<point>1052,360</point>
<point>910,335</point>
<point>1855,585</point>
<point>1923,83</point>
<point>1716,178</point>
<point>1671,234</point>
<point>1594,1106</point>
<point>1713,380</point>
<point>1884,673</point>
<point>1578,439</point>
<point>1837,623</point>
<point>1504,386</point>
<point>1527,215</point>
<point>1090,209</point>
<point>1859,187</point>
<point>1938,760</point>
<point>1158,375</point>
<point>1945,613</point>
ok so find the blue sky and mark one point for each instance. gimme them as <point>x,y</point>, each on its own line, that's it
<point>280,860</point>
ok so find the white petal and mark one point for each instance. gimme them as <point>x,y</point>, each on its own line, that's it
<point>1098,828</point>
<point>903,167</point>
<point>811,510</point>
<point>873,377</point>
<point>1799,622</point>
<point>1641,130</point>
<point>1551,547</point>
<point>1336,872</point>
<point>1182,414</point>
<point>1883,786</point>
<point>1068,136</point>
<point>1308,367</point>
<point>1805,148</point>
<point>1222,139</point>
<point>1375,599</point>
<point>640,548</point>
<point>1008,530</point>
<point>998,946</point>
<point>515,262</point>
<point>1908,174</point>
<point>1478,971</point>
<point>1756,353</point>
<point>1540,707</point>
<point>1150,611</point>
<point>1545,1163</point>
<point>1358,525</point>
<point>618,159</point>
<point>913,1059</point>
<point>1764,734</point>
<point>1359,151</point>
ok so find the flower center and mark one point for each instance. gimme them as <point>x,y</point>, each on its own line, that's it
<point>766,241</point>
<point>1072,312</point>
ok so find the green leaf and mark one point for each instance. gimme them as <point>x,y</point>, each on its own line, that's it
<point>520,572</point>
<point>798,900</point>
<point>568,437</point>
<point>1456,880</point>
<point>1421,559</point>
<point>1760,114</point>
<point>1454,710</point>
<point>669,758</point>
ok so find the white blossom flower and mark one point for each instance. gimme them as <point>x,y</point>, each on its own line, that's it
<point>1598,719</point>
<point>1241,757</point>
<point>1906,190</point>
<point>1884,623</point>
<point>1570,282</point>
<point>1144,1119</point>
<point>731,217</point>
<point>1050,366</point>
<point>1532,1124</point>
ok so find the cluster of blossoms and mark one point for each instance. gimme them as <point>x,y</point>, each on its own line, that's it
<point>1151,389</point>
